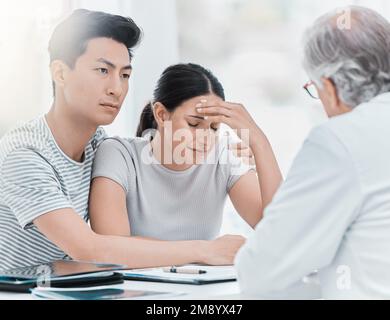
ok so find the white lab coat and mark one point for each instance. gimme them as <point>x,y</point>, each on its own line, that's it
<point>331,214</point>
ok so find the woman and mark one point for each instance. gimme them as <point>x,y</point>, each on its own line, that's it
<point>172,187</point>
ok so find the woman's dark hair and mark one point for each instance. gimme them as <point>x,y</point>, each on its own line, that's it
<point>177,84</point>
<point>70,38</point>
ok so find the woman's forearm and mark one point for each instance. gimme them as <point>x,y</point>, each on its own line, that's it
<point>268,172</point>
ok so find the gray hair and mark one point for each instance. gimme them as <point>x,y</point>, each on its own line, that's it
<point>356,59</point>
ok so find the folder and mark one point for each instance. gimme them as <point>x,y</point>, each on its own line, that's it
<point>100,293</point>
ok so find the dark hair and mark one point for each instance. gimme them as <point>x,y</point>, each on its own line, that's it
<point>70,38</point>
<point>177,84</point>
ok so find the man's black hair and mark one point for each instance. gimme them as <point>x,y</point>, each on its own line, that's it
<point>70,38</point>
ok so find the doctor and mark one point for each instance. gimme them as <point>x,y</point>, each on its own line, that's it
<point>332,213</point>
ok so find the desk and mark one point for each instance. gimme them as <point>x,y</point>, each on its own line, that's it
<point>217,291</point>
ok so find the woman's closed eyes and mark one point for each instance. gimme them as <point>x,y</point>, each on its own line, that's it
<point>194,125</point>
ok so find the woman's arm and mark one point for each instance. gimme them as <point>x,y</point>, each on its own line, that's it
<point>246,198</point>
<point>251,193</point>
<point>108,215</point>
<point>267,167</point>
<point>107,208</point>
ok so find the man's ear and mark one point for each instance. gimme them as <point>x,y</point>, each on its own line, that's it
<point>59,71</point>
<point>161,114</point>
<point>334,103</point>
<point>331,93</point>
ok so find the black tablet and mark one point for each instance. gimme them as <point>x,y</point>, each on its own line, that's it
<point>60,273</point>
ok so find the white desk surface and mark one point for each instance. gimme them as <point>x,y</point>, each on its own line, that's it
<point>217,291</point>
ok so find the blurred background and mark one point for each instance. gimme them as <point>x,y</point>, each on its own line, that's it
<point>252,46</point>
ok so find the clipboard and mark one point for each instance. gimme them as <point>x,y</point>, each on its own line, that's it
<point>214,274</point>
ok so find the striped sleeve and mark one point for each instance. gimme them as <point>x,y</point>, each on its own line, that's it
<point>30,187</point>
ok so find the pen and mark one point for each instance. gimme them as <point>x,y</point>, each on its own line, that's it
<point>174,269</point>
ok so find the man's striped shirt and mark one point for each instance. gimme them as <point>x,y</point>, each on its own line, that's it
<point>36,178</point>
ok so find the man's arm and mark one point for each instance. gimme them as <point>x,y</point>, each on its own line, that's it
<point>66,229</point>
<point>304,224</point>
<point>31,190</point>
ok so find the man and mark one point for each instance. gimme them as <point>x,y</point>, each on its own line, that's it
<point>332,213</point>
<point>45,165</point>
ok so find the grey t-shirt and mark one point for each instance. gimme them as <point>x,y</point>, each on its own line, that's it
<point>166,204</point>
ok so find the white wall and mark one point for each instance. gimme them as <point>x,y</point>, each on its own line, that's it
<point>25,84</point>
